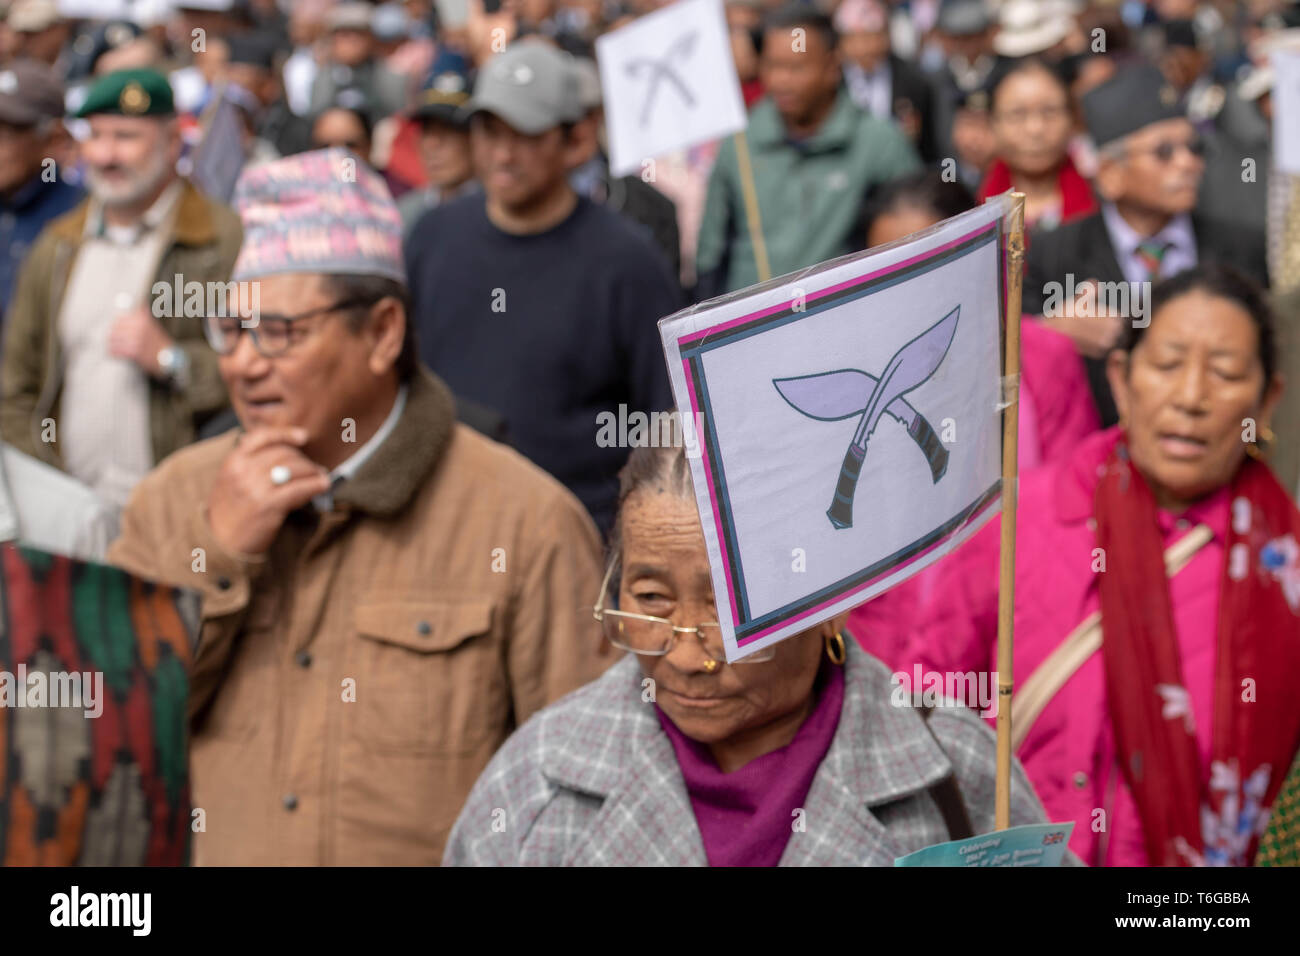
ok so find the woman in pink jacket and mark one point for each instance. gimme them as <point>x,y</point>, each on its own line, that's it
<point>1167,741</point>
<point>1056,406</point>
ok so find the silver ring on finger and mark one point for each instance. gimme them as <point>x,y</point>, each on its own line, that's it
<point>280,475</point>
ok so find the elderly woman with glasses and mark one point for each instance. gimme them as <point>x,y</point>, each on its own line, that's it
<point>802,754</point>
<point>1157,615</point>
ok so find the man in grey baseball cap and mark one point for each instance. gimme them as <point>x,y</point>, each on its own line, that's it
<point>532,86</point>
<point>32,188</point>
<point>532,300</point>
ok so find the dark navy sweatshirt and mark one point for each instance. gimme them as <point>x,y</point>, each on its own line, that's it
<point>550,330</point>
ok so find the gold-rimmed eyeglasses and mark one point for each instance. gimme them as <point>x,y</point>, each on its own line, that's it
<point>655,636</point>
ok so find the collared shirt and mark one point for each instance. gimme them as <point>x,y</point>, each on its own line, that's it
<point>97,226</point>
<point>104,426</point>
<point>1124,239</point>
<point>872,91</point>
<point>970,74</point>
<point>22,217</point>
<point>349,466</point>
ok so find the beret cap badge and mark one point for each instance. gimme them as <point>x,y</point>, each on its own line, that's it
<point>134,99</point>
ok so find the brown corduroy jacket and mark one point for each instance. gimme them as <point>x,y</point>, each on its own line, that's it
<point>351,684</point>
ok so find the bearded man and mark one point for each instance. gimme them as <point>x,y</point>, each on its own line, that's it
<point>104,375</point>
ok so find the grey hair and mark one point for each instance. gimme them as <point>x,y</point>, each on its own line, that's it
<point>370,289</point>
<point>662,468</point>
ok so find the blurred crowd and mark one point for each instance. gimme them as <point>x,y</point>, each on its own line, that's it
<point>417,498</point>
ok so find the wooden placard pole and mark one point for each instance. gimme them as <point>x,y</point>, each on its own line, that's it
<point>751,207</point>
<point>1010,473</point>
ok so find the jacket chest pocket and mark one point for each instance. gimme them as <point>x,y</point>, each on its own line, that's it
<point>428,678</point>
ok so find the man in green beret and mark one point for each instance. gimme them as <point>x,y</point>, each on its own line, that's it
<point>103,374</point>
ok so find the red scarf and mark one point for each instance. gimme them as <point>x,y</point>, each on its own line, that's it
<point>1256,717</point>
<point>1077,199</point>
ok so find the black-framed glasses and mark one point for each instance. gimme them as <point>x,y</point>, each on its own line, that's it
<point>650,636</point>
<point>272,334</point>
<point>1164,151</point>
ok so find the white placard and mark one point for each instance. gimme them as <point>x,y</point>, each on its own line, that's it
<point>668,82</point>
<point>847,421</point>
<point>1286,110</point>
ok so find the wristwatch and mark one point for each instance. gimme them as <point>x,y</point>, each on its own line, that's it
<point>175,365</point>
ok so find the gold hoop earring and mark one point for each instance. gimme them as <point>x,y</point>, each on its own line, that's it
<point>1259,448</point>
<point>711,666</point>
<point>835,649</point>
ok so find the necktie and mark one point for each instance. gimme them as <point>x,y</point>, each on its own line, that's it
<point>1151,252</point>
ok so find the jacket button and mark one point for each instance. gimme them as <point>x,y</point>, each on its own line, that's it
<point>290,801</point>
<point>425,628</point>
<point>223,583</point>
<point>1080,780</point>
<point>302,659</point>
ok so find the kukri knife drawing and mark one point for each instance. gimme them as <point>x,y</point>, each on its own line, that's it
<point>843,393</point>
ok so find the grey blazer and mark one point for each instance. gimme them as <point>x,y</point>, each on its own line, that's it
<point>593,780</point>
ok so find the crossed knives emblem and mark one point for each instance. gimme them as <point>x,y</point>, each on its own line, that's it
<point>843,393</point>
<point>660,71</point>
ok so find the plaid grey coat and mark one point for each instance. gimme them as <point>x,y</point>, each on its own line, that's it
<point>593,780</point>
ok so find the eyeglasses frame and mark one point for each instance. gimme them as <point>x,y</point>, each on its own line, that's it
<point>342,305</point>
<point>599,610</point>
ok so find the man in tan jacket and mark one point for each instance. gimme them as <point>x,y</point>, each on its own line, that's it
<point>386,594</point>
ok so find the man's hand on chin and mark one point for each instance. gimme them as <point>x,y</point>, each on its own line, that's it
<point>264,477</point>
